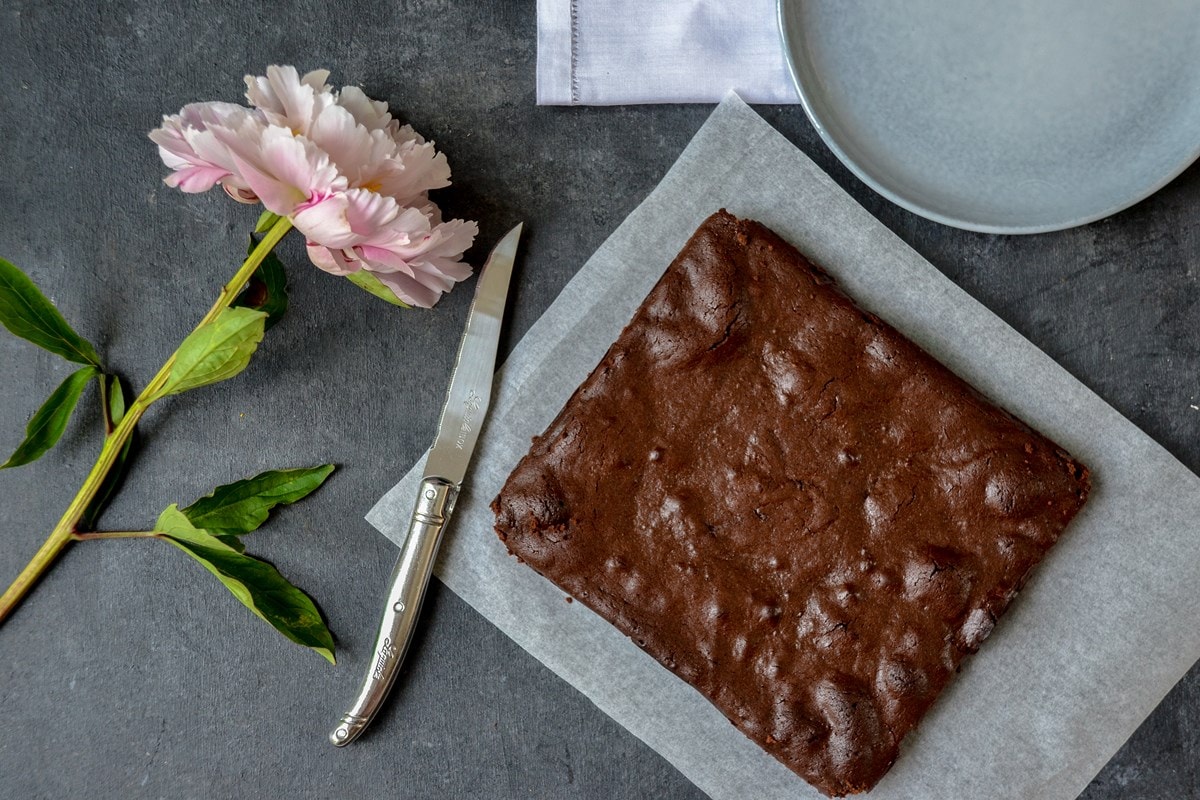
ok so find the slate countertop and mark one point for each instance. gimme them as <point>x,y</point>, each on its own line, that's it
<point>129,672</point>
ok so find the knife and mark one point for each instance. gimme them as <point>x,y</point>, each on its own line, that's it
<point>458,430</point>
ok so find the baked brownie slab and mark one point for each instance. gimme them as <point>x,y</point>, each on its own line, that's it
<point>788,504</point>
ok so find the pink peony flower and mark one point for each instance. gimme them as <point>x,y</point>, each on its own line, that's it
<point>351,178</point>
<point>188,144</point>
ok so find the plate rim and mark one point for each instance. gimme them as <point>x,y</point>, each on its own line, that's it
<point>899,199</point>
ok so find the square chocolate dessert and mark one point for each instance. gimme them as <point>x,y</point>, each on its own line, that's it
<point>788,504</point>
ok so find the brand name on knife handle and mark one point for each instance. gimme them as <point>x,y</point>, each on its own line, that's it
<point>386,654</point>
<point>471,407</point>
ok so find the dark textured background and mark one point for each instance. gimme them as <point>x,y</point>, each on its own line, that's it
<point>130,672</point>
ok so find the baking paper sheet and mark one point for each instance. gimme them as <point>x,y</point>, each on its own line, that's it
<point>1081,657</point>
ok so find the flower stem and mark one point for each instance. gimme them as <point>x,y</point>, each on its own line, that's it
<point>67,528</point>
<point>84,537</point>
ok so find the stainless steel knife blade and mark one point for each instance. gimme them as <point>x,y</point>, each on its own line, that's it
<point>462,416</point>
<point>471,381</point>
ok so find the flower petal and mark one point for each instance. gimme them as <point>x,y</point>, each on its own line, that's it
<point>406,134</point>
<point>286,99</point>
<point>195,179</point>
<point>415,170</point>
<point>371,114</point>
<point>369,213</point>
<point>285,171</point>
<point>187,142</point>
<point>350,145</point>
<point>324,222</point>
<point>351,178</point>
<point>332,261</point>
<point>409,289</point>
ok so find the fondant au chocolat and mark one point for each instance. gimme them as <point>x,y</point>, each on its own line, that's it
<point>788,504</point>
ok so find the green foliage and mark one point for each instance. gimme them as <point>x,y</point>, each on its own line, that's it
<point>255,583</point>
<point>368,282</point>
<point>242,506</point>
<point>116,399</point>
<point>49,422</point>
<point>266,221</point>
<point>207,530</point>
<point>26,312</point>
<point>116,412</point>
<point>215,351</point>
<point>267,289</point>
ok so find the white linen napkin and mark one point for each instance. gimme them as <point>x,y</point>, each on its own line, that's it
<point>616,52</point>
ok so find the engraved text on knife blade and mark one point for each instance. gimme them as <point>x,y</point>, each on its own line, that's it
<point>470,407</point>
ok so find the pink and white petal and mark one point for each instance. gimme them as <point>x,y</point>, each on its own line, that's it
<point>286,99</point>
<point>430,274</point>
<point>324,222</point>
<point>409,289</point>
<point>332,261</point>
<point>381,259</point>
<point>370,213</point>
<point>215,112</point>
<point>422,169</point>
<point>240,194</point>
<point>195,179</point>
<point>395,237</point>
<point>263,91</point>
<point>285,171</point>
<point>318,80</point>
<point>193,172</point>
<point>454,237</point>
<point>383,147</point>
<point>422,269</point>
<point>209,149</point>
<point>349,145</point>
<point>452,270</point>
<point>276,196</point>
<point>371,114</point>
<point>172,146</point>
<point>189,141</point>
<point>391,246</point>
<point>449,240</point>
<point>430,210</point>
<point>186,141</point>
<point>406,134</point>
<point>439,255</point>
<point>169,157</point>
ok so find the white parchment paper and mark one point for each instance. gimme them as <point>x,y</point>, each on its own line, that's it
<point>1105,628</point>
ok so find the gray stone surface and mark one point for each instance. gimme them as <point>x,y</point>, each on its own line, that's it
<point>129,672</point>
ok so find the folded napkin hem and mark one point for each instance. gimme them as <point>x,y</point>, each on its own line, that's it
<point>557,36</point>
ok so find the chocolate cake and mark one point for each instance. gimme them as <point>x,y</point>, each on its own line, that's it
<point>788,504</point>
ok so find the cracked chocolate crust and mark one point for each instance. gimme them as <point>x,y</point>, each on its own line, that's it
<point>788,504</point>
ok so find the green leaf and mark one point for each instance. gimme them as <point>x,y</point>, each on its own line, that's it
<point>257,584</point>
<point>116,399</point>
<point>216,351</point>
<point>26,312</point>
<point>232,542</point>
<point>173,522</point>
<point>242,506</point>
<point>116,410</point>
<point>48,424</point>
<point>267,289</point>
<point>368,282</point>
<point>266,221</point>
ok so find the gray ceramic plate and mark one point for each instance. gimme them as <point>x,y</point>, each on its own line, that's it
<point>1015,116</point>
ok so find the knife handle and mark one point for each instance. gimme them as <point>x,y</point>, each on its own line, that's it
<point>409,579</point>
